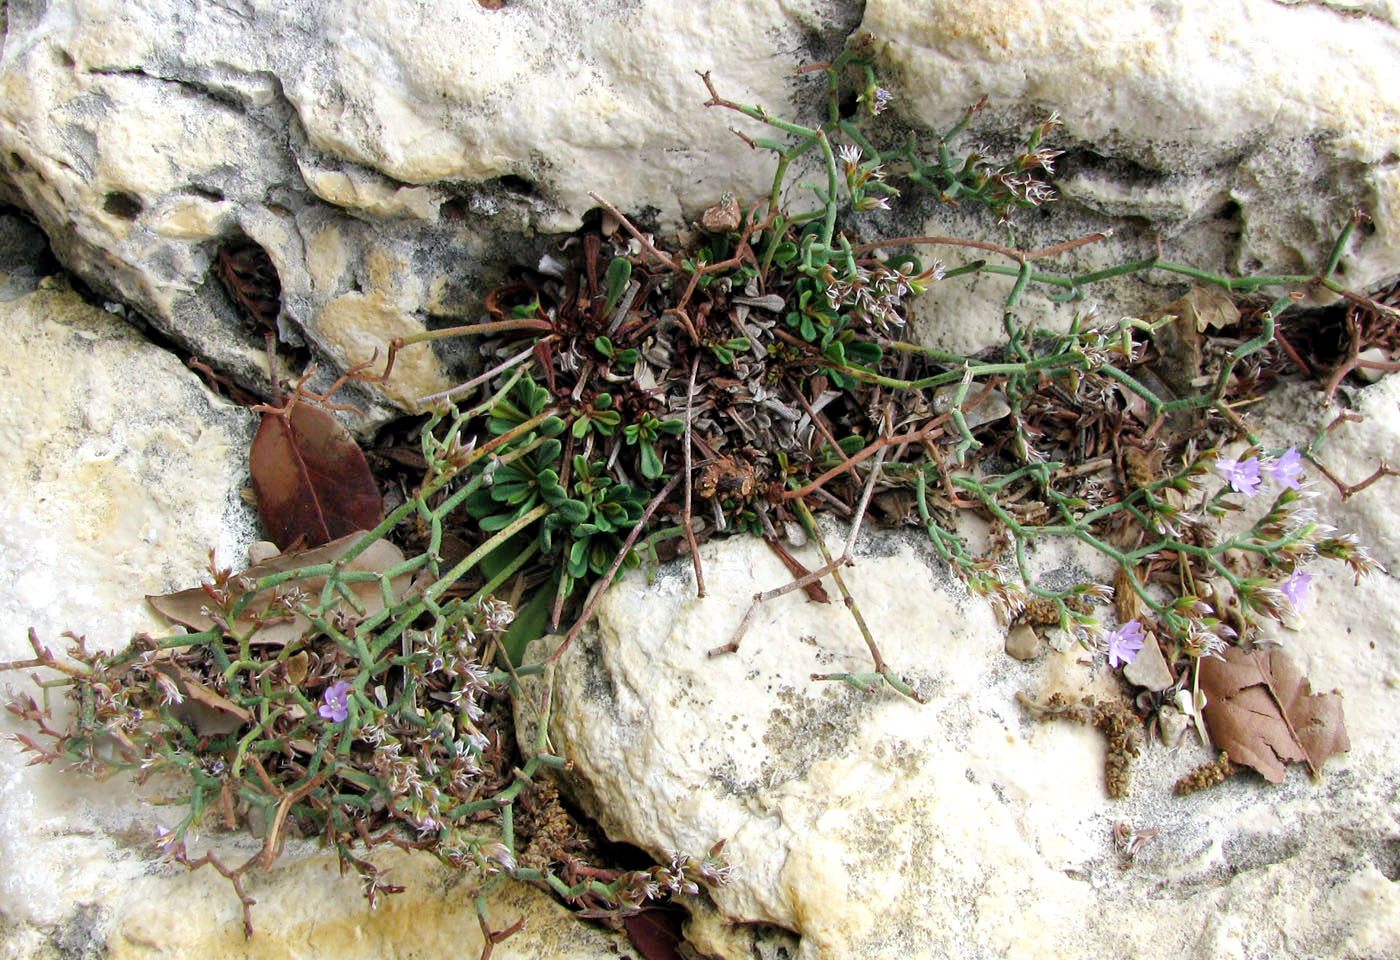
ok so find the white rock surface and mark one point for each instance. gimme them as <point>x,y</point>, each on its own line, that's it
<point>120,473</point>
<point>379,152</point>
<point>1243,132</point>
<point>874,827</point>
<point>394,157</point>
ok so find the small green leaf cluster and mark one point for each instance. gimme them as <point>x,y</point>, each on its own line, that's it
<point>598,417</point>
<point>525,473</point>
<point>610,509</point>
<point>623,358</point>
<point>830,331</point>
<point>644,434</point>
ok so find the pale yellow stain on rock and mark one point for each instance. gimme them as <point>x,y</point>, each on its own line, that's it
<point>308,910</point>
<point>368,193</point>
<point>363,325</point>
<point>326,258</point>
<point>190,218</point>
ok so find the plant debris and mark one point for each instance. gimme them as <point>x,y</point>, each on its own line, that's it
<point>1261,711</point>
<point>1207,775</point>
<point>1113,718</point>
<point>312,482</point>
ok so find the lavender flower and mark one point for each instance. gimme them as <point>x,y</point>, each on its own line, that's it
<point>1243,475</point>
<point>1295,588</point>
<point>337,705</point>
<point>1125,643</point>
<point>1286,470</point>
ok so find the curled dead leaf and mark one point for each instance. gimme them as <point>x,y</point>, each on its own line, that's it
<point>312,482</point>
<point>188,607</point>
<point>204,710</point>
<point>1261,710</point>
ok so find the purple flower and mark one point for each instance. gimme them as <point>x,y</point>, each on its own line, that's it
<point>1124,643</point>
<point>1287,469</point>
<point>1243,475</point>
<point>1295,588</point>
<point>337,705</point>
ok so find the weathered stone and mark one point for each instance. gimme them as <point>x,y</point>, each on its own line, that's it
<point>1242,134</point>
<point>1149,668</point>
<point>1372,355</point>
<point>873,827</point>
<point>1024,643</point>
<point>120,473</point>
<point>980,407</point>
<point>393,162</point>
<point>386,158</point>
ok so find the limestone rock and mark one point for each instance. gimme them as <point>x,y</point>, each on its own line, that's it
<point>393,160</point>
<point>875,827</point>
<point>386,157</point>
<point>120,473</point>
<point>1243,132</point>
<point>1149,668</point>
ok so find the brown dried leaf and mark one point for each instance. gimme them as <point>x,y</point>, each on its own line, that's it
<point>1208,307</point>
<point>250,278</point>
<point>656,934</point>
<point>311,478</point>
<point>207,713</point>
<point>1261,710</point>
<point>188,607</point>
<point>296,667</point>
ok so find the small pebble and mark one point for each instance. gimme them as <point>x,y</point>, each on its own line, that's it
<point>1024,643</point>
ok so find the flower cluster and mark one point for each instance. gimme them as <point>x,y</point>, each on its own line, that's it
<point>863,179</point>
<point>1244,476</point>
<point>877,296</point>
<point>682,878</point>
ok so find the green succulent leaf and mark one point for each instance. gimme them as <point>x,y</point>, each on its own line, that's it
<point>574,511</point>
<point>863,351</point>
<point>619,273</point>
<point>651,463</point>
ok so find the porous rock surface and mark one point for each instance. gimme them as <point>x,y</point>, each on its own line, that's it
<point>384,154</point>
<point>1239,136</point>
<point>871,826</point>
<point>393,157</point>
<point>120,473</point>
